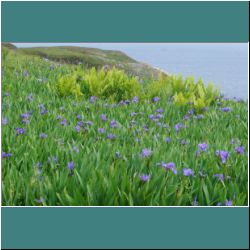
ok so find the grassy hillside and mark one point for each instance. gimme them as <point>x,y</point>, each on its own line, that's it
<point>148,150</point>
<point>91,57</point>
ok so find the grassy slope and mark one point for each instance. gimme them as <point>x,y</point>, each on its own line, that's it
<point>99,176</point>
<point>92,57</point>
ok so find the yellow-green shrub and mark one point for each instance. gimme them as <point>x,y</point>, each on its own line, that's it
<point>114,84</point>
<point>67,86</point>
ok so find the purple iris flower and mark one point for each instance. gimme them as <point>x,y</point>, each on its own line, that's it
<point>44,111</point>
<point>40,200</point>
<point>111,136</point>
<point>101,130</point>
<point>20,131</point>
<point>77,128</point>
<point>25,116</point>
<point>160,110</point>
<point>226,109</point>
<point>25,73</point>
<point>64,122</point>
<point>170,166</point>
<point>183,142</point>
<point>187,172</point>
<point>240,150</point>
<point>30,97</point>
<point>195,203</point>
<point>146,153</point>
<point>6,155</point>
<point>103,117</point>
<point>135,99</point>
<point>168,139</point>
<point>76,149</point>
<point>90,123</point>
<point>55,159</point>
<point>156,99</point>
<point>178,126</point>
<point>92,99</point>
<point>223,155</point>
<point>145,177</point>
<point>78,117</point>
<point>202,146</point>
<point>228,203</point>
<point>219,176</point>
<point>113,124</point>
<point>43,136</point>
<point>70,165</point>
<point>200,117</point>
<point>232,141</point>
<point>5,121</point>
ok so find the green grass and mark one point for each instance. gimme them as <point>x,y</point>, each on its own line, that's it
<point>99,177</point>
<point>91,57</point>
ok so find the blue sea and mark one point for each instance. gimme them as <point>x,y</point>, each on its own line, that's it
<point>224,64</point>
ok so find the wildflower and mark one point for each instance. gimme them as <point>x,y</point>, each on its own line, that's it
<point>183,142</point>
<point>195,203</point>
<point>77,128</point>
<point>197,153</point>
<point>103,117</point>
<point>223,155</point>
<point>228,203</point>
<point>78,117</point>
<point>90,123</point>
<point>40,200</point>
<point>25,73</point>
<point>146,152</point>
<point>170,166</point>
<point>232,141</point>
<point>186,118</point>
<point>113,124</point>
<point>118,154</point>
<point>187,172</point>
<point>160,110</point>
<point>145,177</point>
<point>76,149</point>
<point>202,146</point>
<point>30,97</point>
<point>135,99</point>
<point>200,117</point>
<point>240,150</point>
<point>219,176</point>
<point>70,165</point>
<point>190,112</point>
<point>101,130</point>
<point>25,116</point>
<point>5,121</point>
<point>55,159</point>
<point>20,131</point>
<point>43,136</point>
<point>6,155</point>
<point>62,109</point>
<point>92,99</point>
<point>168,140</point>
<point>226,109</point>
<point>44,111</point>
<point>111,136</point>
<point>156,99</point>
<point>178,126</point>
<point>64,122</point>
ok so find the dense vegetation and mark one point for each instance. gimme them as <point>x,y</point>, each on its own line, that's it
<point>78,136</point>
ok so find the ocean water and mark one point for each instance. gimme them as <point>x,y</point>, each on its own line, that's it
<point>224,64</point>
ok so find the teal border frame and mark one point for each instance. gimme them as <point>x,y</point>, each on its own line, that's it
<point>125,21</point>
<point>125,227</point>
